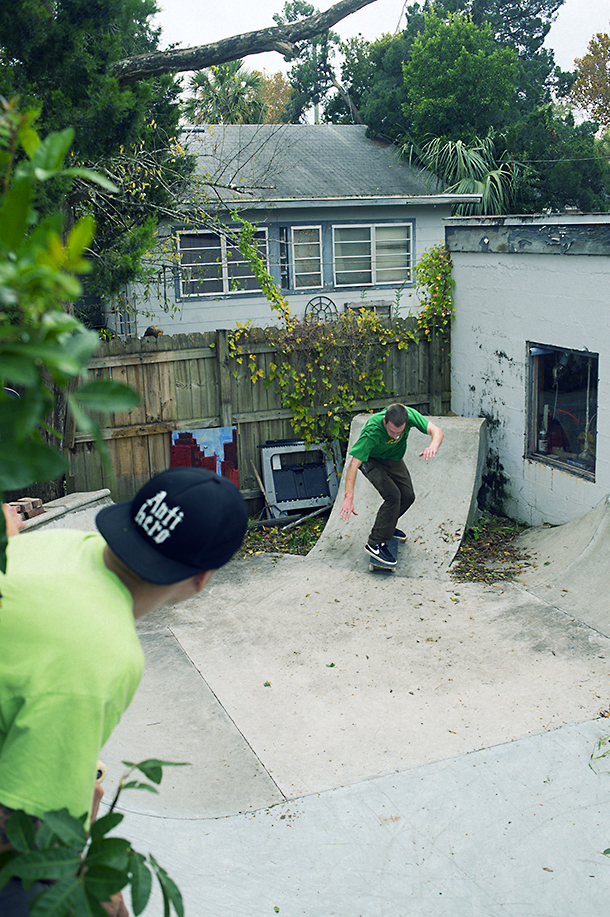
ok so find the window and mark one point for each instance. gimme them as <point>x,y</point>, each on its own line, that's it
<point>367,255</point>
<point>210,263</point>
<point>563,412</point>
<point>307,257</point>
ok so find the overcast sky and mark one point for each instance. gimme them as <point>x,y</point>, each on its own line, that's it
<point>195,22</point>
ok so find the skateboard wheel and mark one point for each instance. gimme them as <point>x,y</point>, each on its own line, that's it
<point>101,772</point>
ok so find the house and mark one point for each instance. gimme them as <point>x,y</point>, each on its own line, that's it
<point>530,348</point>
<point>340,223</point>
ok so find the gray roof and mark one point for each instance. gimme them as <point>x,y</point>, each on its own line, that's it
<point>288,162</point>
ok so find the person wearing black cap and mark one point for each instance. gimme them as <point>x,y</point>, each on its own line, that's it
<point>70,658</point>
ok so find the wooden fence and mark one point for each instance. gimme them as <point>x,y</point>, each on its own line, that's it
<point>190,382</point>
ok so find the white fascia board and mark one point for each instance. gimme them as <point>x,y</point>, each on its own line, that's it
<point>397,200</point>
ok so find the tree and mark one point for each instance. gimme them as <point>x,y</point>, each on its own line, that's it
<point>275,92</point>
<point>225,94</point>
<point>591,91</point>
<point>567,168</point>
<point>473,168</point>
<point>372,74</point>
<point>459,82</point>
<point>283,39</point>
<point>312,75</point>
<point>57,58</point>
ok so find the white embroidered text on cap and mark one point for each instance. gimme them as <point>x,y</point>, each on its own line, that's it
<point>157,518</point>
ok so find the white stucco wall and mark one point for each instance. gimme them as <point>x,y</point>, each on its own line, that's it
<point>199,315</point>
<point>503,301</point>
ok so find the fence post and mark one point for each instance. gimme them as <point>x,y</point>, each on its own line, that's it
<point>224,378</point>
<point>435,372</point>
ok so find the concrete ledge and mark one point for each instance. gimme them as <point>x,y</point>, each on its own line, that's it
<point>68,504</point>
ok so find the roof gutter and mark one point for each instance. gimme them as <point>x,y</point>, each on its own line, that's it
<point>322,202</point>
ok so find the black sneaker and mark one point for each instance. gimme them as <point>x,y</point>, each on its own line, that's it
<point>400,535</point>
<point>381,553</point>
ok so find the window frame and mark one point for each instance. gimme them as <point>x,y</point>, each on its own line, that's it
<point>225,274</point>
<point>373,254</point>
<point>568,431</point>
<point>293,259</point>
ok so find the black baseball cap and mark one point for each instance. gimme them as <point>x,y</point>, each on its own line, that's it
<point>182,522</point>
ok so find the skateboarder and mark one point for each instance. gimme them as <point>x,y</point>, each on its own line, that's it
<point>70,658</point>
<point>379,452</point>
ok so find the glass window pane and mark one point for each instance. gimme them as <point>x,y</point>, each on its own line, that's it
<point>563,420</point>
<point>307,257</point>
<point>392,253</point>
<point>201,264</point>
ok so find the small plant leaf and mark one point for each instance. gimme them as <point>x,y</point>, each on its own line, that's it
<point>68,829</point>
<point>103,881</point>
<point>171,892</point>
<point>105,824</point>
<point>57,863</point>
<point>141,882</point>
<point>20,832</point>
<point>56,901</point>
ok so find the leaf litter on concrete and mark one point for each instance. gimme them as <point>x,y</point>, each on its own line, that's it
<point>488,554</point>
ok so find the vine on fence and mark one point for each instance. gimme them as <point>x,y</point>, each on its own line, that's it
<point>434,285</point>
<point>324,369</point>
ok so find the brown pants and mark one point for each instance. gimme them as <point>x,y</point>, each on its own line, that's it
<point>393,481</point>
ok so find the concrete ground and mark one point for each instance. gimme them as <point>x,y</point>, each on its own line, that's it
<point>370,744</point>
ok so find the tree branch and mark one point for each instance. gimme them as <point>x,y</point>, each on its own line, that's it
<point>278,38</point>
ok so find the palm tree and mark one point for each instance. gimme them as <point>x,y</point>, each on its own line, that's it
<point>468,169</point>
<point>226,94</point>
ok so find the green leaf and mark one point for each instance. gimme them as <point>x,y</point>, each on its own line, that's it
<point>49,156</point>
<point>18,370</point>
<point>57,863</point>
<point>103,881</point>
<point>106,395</point>
<point>170,890</point>
<point>25,463</point>
<point>86,904</point>
<point>141,882</point>
<point>109,851</point>
<point>152,767</point>
<point>57,900</point>
<point>69,830</point>
<point>95,177</point>
<point>80,237</point>
<point>103,825</point>
<point>6,873</point>
<point>20,831</point>
<point>29,139</point>
<point>14,214</point>
<point>136,785</point>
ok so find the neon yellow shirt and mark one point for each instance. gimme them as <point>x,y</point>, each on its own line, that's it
<point>70,661</point>
<point>375,442</point>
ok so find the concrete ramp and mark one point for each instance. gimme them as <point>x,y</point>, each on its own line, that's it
<point>445,504</point>
<point>571,566</point>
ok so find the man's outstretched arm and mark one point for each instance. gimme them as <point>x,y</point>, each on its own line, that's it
<point>347,507</point>
<point>436,437</point>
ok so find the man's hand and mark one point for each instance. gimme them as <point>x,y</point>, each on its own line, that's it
<point>347,508</point>
<point>436,437</point>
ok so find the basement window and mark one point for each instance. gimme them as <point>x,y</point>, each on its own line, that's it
<point>563,407</point>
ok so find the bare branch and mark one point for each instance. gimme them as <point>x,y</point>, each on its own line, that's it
<point>278,38</point>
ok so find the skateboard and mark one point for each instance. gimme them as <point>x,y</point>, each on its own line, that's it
<point>375,564</point>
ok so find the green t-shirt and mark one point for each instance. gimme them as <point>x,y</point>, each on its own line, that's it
<point>70,661</point>
<point>375,442</point>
